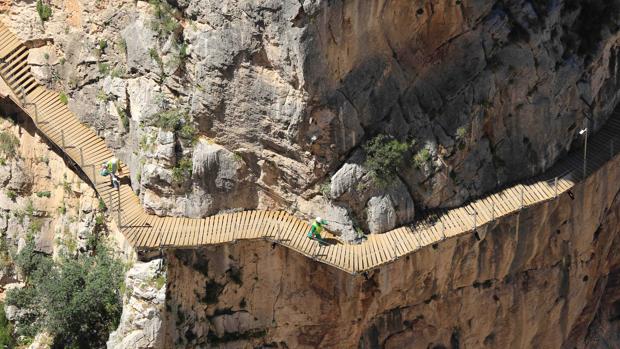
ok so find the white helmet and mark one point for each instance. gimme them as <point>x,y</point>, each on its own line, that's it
<point>320,220</point>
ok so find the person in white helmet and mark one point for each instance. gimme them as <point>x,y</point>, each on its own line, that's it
<point>317,228</point>
<point>109,168</point>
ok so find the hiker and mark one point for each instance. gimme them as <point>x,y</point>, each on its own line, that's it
<point>317,227</point>
<point>109,168</point>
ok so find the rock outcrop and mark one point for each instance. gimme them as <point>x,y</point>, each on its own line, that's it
<point>143,308</point>
<point>545,277</point>
<point>490,91</point>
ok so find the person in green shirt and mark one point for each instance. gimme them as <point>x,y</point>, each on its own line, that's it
<point>109,168</point>
<point>317,228</point>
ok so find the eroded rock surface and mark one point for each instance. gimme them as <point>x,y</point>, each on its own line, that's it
<point>143,308</point>
<point>492,90</point>
<point>545,277</point>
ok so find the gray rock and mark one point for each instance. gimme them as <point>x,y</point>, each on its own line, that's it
<point>144,98</point>
<point>381,214</point>
<point>143,308</point>
<point>139,38</point>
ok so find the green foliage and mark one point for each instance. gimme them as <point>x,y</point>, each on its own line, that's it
<point>63,98</point>
<point>44,11</point>
<point>35,226</point>
<point>2,161</point>
<point>29,208</point>
<point>164,22</point>
<point>11,194</point>
<point>102,96</point>
<point>461,133</point>
<point>122,115</point>
<point>62,209</point>
<point>385,157</point>
<point>8,144</point>
<point>122,45</point>
<point>118,72</point>
<point>103,68</point>
<point>103,44</point>
<point>6,330</point>
<point>421,157</point>
<point>101,206</point>
<point>325,188</point>
<point>183,170</point>
<point>170,120</point>
<point>160,63</point>
<point>44,194</point>
<point>76,300</point>
<point>188,132</point>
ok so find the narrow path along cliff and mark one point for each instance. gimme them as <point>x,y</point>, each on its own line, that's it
<point>149,232</point>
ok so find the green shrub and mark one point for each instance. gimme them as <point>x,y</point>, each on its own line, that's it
<point>103,44</point>
<point>2,161</point>
<point>44,194</point>
<point>122,45</point>
<point>160,63</point>
<point>461,133</point>
<point>11,194</point>
<point>164,22</point>
<point>6,330</point>
<point>44,11</point>
<point>63,98</point>
<point>421,157</point>
<point>122,115</point>
<point>385,157</point>
<point>104,68</point>
<point>8,144</point>
<point>102,96</point>
<point>183,170</point>
<point>170,120</point>
<point>76,300</point>
<point>325,188</point>
<point>188,132</point>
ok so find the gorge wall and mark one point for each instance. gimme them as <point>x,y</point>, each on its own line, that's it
<point>220,105</point>
<point>545,277</point>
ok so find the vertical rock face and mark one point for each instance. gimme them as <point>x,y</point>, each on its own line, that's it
<point>490,91</point>
<point>542,278</point>
<point>40,197</point>
<point>143,307</point>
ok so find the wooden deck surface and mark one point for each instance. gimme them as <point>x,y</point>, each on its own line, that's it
<point>145,231</point>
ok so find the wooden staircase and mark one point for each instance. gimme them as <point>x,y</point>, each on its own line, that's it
<point>150,232</point>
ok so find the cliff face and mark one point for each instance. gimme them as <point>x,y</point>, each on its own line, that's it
<point>543,278</point>
<point>284,94</point>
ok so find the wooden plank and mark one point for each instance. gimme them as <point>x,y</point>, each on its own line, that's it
<point>217,229</point>
<point>245,220</point>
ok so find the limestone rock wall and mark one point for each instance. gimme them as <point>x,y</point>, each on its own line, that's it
<point>290,91</point>
<point>41,197</point>
<point>542,278</point>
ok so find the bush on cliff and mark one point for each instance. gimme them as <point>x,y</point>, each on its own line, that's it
<point>385,157</point>
<point>76,300</point>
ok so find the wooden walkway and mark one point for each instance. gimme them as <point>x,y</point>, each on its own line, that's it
<point>150,232</point>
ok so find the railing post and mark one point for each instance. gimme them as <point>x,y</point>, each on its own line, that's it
<point>118,210</point>
<point>443,229</point>
<point>492,210</point>
<point>555,187</point>
<point>522,189</point>
<point>94,174</point>
<point>475,220</point>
